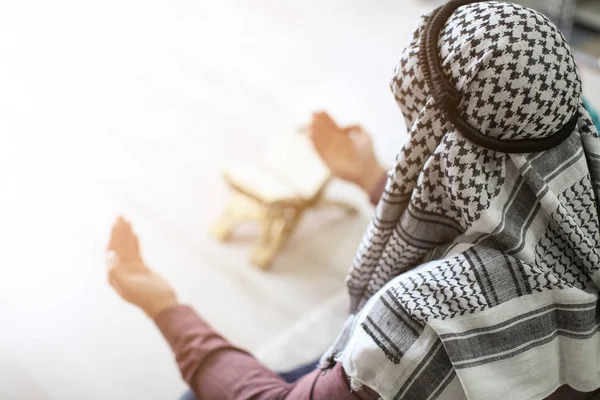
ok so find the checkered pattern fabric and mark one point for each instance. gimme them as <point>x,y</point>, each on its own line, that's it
<point>476,258</point>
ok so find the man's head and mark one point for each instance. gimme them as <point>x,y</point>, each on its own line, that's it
<point>511,68</point>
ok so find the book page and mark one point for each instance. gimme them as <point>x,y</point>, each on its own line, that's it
<point>290,168</point>
<point>259,183</point>
<point>294,161</point>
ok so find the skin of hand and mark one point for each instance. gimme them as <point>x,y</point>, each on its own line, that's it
<point>131,278</point>
<point>347,152</point>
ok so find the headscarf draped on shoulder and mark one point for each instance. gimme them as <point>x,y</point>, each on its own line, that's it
<point>478,276</point>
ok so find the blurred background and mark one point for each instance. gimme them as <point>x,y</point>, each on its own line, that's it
<point>135,107</point>
<point>579,20</point>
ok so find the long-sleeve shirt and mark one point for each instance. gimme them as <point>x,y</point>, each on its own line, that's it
<point>215,369</point>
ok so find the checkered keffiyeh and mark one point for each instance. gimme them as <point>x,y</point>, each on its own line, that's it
<point>478,276</point>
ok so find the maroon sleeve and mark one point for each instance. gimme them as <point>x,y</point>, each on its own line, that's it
<point>377,190</point>
<point>215,369</point>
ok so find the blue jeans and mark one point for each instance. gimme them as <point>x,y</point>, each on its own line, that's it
<point>290,377</point>
<point>297,373</point>
<point>189,395</point>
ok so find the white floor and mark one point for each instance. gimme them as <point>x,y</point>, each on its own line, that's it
<point>133,107</point>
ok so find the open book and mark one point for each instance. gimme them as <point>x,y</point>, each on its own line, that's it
<point>289,170</point>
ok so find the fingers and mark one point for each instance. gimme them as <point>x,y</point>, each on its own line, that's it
<point>324,132</point>
<point>321,138</point>
<point>359,135</point>
<point>322,116</point>
<point>119,271</point>
<point>123,241</point>
<point>114,279</point>
<point>323,121</point>
<point>119,230</point>
<point>113,266</point>
<point>111,260</point>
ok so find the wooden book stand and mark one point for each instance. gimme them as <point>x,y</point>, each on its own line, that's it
<point>276,191</point>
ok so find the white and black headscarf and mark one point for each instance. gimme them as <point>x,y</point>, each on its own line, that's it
<point>479,275</point>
